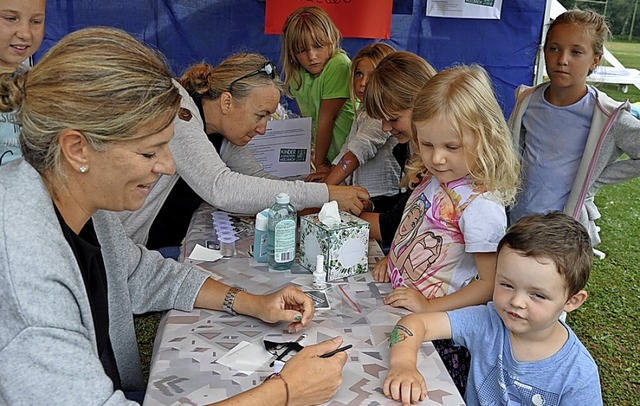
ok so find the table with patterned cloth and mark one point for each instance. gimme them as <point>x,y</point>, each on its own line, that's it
<point>184,368</point>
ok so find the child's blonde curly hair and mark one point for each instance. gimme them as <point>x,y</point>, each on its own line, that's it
<point>463,96</point>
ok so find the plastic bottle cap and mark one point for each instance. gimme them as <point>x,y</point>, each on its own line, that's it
<point>282,198</point>
<point>320,263</point>
<point>262,220</point>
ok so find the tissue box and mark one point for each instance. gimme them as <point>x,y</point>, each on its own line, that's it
<point>345,245</point>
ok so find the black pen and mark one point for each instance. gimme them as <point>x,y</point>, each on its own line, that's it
<point>334,352</point>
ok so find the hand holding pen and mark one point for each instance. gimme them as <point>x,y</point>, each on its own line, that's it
<point>315,379</point>
<point>334,352</point>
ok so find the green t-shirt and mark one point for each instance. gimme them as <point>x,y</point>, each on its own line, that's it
<point>332,83</point>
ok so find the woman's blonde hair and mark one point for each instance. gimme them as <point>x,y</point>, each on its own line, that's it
<point>100,81</point>
<point>374,52</point>
<point>463,96</point>
<point>304,25</point>
<point>238,74</point>
<point>394,84</point>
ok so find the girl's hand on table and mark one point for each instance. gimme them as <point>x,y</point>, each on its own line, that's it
<point>409,298</point>
<point>288,304</point>
<point>313,380</point>
<point>379,271</point>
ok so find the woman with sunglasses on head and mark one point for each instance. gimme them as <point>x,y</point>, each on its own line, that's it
<point>223,108</point>
<point>94,144</point>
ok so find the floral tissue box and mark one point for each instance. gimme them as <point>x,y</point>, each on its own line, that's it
<point>345,245</point>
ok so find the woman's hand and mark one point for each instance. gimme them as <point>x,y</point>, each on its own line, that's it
<point>288,304</point>
<point>406,385</point>
<point>350,198</point>
<point>379,271</point>
<point>313,380</point>
<point>409,298</point>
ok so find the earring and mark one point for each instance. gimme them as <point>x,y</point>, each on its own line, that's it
<point>83,169</point>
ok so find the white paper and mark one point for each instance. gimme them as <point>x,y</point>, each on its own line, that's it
<point>285,149</point>
<point>246,358</point>
<point>487,9</point>
<point>201,253</point>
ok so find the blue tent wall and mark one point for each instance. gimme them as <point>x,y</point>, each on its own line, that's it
<point>189,31</point>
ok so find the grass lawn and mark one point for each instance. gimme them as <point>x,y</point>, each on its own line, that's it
<point>607,323</point>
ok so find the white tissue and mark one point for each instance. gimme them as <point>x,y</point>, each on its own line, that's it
<point>329,214</point>
<point>201,253</point>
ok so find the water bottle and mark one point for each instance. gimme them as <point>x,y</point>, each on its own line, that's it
<point>281,234</point>
<point>260,236</point>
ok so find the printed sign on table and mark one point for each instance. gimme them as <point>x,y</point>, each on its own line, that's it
<point>354,18</point>
<point>285,149</point>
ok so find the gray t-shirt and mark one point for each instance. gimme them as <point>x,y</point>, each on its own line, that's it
<point>556,137</point>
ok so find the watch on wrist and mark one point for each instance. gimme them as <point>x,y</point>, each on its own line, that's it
<point>229,298</point>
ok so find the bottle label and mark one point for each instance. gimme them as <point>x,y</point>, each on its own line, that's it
<point>284,249</point>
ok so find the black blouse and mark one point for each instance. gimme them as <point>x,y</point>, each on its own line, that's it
<point>86,249</point>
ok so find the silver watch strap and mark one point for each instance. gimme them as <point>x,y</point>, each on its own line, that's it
<point>229,299</point>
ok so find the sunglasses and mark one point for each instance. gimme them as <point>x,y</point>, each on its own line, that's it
<point>269,69</point>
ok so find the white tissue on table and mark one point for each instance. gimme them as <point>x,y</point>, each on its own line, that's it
<point>201,253</point>
<point>329,214</point>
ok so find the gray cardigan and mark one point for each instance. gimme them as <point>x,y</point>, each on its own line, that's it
<point>201,167</point>
<point>48,351</point>
<point>614,132</point>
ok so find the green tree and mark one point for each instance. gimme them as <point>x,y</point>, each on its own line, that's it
<point>619,14</point>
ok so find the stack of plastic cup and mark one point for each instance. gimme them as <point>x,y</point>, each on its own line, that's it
<point>224,233</point>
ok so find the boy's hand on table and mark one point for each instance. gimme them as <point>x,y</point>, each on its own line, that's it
<point>406,385</point>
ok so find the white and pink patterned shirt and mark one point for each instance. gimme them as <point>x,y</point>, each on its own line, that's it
<point>442,226</point>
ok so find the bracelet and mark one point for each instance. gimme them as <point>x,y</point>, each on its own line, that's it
<point>229,299</point>
<point>286,385</point>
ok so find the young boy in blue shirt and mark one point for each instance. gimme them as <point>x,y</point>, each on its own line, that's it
<point>521,352</point>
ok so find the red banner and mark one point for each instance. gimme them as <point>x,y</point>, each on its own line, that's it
<point>354,18</point>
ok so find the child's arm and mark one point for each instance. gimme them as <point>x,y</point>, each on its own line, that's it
<point>403,382</point>
<point>477,292</point>
<point>374,224</point>
<point>379,271</point>
<point>343,169</point>
<point>329,111</point>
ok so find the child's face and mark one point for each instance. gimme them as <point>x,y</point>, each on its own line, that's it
<point>399,124</point>
<point>314,57</point>
<point>21,30</point>
<point>361,76</point>
<point>569,56</point>
<point>530,294</point>
<point>447,156</point>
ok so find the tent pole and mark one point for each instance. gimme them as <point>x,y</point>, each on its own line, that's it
<point>539,71</point>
